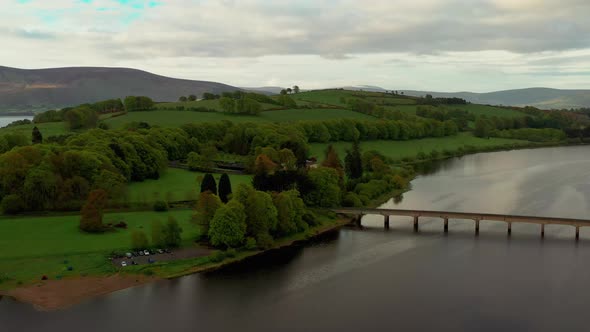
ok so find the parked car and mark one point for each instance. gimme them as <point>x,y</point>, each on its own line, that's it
<point>167,251</point>
<point>160,251</point>
<point>128,255</point>
<point>146,252</point>
<point>123,263</point>
<point>140,253</point>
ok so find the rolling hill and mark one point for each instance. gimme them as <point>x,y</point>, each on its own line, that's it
<point>42,89</point>
<point>543,98</point>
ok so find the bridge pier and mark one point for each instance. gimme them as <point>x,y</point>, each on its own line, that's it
<point>542,230</point>
<point>476,227</point>
<point>386,222</point>
<point>358,220</point>
<point>446,225</point>
<point>416,223</point>
<point>577,233</point>
<point>509,228</point>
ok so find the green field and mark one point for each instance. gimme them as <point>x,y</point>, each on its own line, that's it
<point>401,149</point>
<point>211,104</point>
<point>48,245</point>
<point>178,118</point>
<point>474,109</point>
<point>175,185</point>
<point>47,129</point>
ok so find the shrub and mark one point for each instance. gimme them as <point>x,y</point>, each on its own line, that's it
<point>12,204</point>
<point>160,206</point>
<point>251,244</point>
<point>352,200</point>
<point>264,241</point>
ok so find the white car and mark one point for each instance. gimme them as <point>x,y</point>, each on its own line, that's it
<point>123,263</point>
<point>147,253</point>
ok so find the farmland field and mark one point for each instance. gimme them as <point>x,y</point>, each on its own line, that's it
<point>402,149</point>
<point>178,118</point>
<point>175,185</point>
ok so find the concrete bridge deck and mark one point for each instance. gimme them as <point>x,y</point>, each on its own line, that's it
<point>476,217</point>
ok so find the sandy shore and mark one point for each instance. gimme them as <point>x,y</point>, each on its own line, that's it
<point>59,294</point>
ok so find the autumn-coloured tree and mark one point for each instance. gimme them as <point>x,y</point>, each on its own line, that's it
<point>92,212</point>
<point>264,165</point>
<point>333,161</point>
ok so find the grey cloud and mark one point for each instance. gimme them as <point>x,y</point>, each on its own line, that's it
<point>335,31</point>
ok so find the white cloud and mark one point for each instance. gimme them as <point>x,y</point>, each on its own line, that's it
<point>423,44</point>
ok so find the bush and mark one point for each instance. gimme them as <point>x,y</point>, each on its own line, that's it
<point>12,204</point>
<point>310,219</point>
<point>264,241</point>
<point>160,206</point>
<point>251,244</point>
<point>217,257</point>
<point>231,253</point>
<point>352,200</point>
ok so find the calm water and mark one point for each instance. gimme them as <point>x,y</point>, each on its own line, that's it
<point>376,280</point>
<point>5,120</point>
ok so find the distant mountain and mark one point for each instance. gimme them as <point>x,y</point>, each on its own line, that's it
<point>267,90</point>
<point>370,88</point>
<point>42,89</point>
<point>543,98</point>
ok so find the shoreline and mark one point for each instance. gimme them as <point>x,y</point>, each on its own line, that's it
<point>53,295</point>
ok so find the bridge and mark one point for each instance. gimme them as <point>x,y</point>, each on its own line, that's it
<point>476,217</point>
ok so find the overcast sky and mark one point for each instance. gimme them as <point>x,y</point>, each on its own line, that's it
<point>442,45</point>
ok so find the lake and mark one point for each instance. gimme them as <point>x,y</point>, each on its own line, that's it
<point>385,280</point>
<point>6,120</point>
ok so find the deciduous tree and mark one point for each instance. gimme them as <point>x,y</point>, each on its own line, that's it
<point>92,212</point>
<point>228,227</point>
<point>207,205</point>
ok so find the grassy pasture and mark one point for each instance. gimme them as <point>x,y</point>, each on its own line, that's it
<point>212,104</point>
<point>175,185</point>
<point>48,245</point>
<point>47,129</point>
<point>402,149</point>
<point>178,118</point>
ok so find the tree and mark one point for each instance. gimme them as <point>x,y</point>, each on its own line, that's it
<point>92,212</point>
<point>209,184</point>
<point>192,97</point>
<point>207,205</point>
<point>261,215</point>
<point>333,161</point>
<point>326,188</point>
<point>228,227</point>
<point>227,104</point>
<point>224,188</point>
<point>158,239</point>
<point>37,137</point>
<point>290,211</point>
<point>353,162</point>
<point>139,240</point>
<point>283,92</point>
<point>483,128</point>
<point>12,204</point>
<point>264,165</point>
<point>289,90</point>
<point>296,89</point>
<point>182,99</point>
<point>172,233</point>
<point>287,101</point>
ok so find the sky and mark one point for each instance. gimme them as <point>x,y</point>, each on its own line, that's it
<point>436,45</point>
